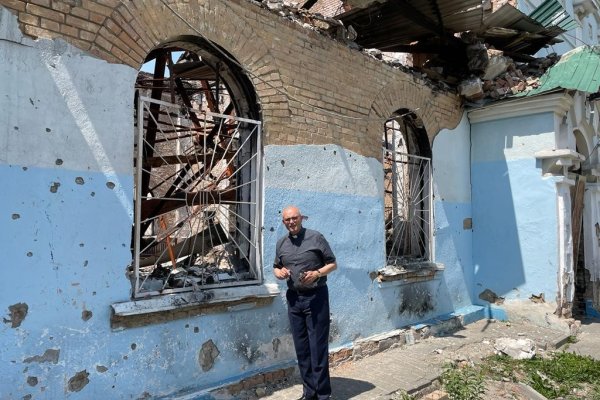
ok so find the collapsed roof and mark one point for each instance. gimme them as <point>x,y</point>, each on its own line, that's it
<point>432,26</point>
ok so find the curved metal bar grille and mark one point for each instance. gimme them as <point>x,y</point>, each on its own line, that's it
<point>196,199</point>
<point>408,207</point>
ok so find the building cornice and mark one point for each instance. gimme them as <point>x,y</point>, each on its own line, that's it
<point>557,103</point>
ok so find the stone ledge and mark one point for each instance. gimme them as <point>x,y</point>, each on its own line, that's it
<point>164,308</point>
<point>409,272</point>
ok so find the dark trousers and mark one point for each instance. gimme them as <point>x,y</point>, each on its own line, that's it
<point>309,320</point>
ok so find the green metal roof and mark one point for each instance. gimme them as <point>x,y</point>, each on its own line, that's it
<point>551,13</point>
<point>579,69</point>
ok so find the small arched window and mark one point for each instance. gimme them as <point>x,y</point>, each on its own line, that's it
<point>407,190</point>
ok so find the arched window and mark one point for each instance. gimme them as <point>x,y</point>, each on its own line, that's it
<point>197,169</point>
<point>408,191</point>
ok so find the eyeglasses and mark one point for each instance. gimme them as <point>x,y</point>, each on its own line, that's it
<point>289,219</point>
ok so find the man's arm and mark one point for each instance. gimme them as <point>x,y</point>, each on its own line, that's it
<point>312,276</point>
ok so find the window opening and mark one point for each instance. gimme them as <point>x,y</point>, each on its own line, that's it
<point>198,170</point>
<point>407,191</point>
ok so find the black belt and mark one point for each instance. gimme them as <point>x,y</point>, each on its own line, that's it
<point>307,291</point>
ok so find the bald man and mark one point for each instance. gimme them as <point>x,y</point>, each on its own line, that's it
<point>303,257</point>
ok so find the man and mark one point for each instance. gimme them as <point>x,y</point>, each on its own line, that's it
<point>304,258</point>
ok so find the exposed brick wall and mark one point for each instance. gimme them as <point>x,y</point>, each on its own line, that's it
<point>331,94</point>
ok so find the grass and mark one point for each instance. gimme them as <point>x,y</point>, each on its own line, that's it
<point>561,375</point>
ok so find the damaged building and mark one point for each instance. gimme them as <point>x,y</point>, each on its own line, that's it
<point>447,150</point>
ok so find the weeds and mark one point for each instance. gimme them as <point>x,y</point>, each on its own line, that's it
<point>463,383</point>
<point>560,375</point>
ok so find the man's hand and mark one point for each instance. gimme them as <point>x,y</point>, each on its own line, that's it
<point>310,277</point>
<point>281,273</point>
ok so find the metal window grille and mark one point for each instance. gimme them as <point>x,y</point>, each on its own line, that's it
<point>408,208</point>
<point>197,191</point>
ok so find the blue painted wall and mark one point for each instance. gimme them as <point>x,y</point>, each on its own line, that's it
<point>514,208</point>
<point>342,194</point>
<point>452,207</point>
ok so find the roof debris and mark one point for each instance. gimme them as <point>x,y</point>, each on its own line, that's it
<point>483,50</point>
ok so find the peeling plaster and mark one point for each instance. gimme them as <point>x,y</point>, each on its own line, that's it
<point>50,355</point>
<point>78,381</point>
<point>18,312</point>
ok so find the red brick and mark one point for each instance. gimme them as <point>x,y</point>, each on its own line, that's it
<point>82,24</point>
<point>50,25</point>
<point>16,5</point>
<point>96,7</point>
<point>29,19</point>
<point>45,12</point>
<point>69,30</point>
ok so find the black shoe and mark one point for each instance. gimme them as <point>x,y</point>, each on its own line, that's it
<point>304,397</point>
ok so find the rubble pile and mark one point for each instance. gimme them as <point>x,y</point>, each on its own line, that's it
<point>503,77</point>
<point>328,26</point>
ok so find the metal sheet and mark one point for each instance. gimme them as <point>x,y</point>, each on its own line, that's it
<point>579,69</point>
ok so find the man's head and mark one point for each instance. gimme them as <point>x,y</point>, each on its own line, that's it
<point>292,219</point>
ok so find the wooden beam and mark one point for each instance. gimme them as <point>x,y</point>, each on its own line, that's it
<point>152,208</point>
<point>200,243</point>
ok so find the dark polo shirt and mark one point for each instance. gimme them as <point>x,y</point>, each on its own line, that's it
<point>306,251</point>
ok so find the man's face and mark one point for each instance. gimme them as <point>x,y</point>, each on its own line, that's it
<point>292,219</point>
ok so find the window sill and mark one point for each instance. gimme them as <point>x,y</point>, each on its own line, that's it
<point>411,272</point>
<point>164,308</point>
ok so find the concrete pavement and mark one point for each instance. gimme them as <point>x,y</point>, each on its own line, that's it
<point>412,368</point>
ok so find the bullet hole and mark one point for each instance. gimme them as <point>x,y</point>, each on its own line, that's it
<point>360,212</point>
<point>27,397</point>
<point>187,325</point>
<point>133,346</point>
<point>267,167</point>
<point>31,101</point>
<point>32,380</point>
<point>16,216</point>
<point>79,180</point>
<point>17,312</point>
<point>283,163</point>
<point>272,229</point>
<point>58,161</point>
<point>29,254</point>
<point>24,168</point>
<point>208,355</point>
<point>81,244</point>
<point>86,315</point>
<point>334,152</point>
<point>16,128</point>
<point>78,381</point>
<point>93,293</point>
<point>85,263</point>
<point>54,187</point>
<point>123,245</point>
<point>110,185</point>
<point>48,130</point>
<point>196,329</point>
<point>101,368</point>
<point>324,148</point>
<point>93,194</point>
